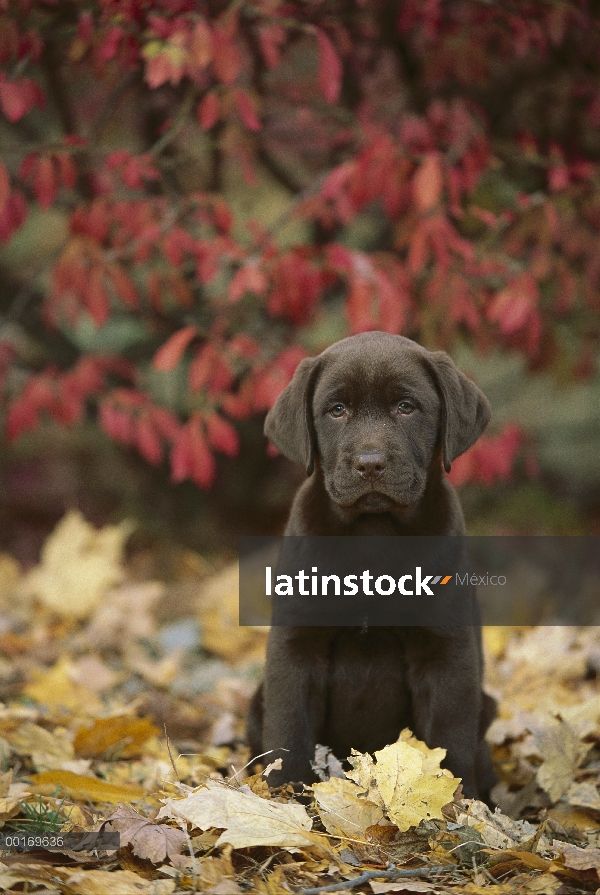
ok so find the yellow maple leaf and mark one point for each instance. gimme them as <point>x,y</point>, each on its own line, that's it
<point>406,779</point>
<point>343,807</point>
<point>57,687</point>
<point>79,564</point>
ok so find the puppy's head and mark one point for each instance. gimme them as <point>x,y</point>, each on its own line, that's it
<point>372,411</point>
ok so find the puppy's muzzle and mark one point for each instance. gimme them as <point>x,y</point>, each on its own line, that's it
<point>370,466</point>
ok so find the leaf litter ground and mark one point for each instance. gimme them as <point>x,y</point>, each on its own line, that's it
<point>125,684</point>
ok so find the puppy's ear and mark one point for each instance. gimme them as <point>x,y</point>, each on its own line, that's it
<point>289,424</point>
<point>465,409</point>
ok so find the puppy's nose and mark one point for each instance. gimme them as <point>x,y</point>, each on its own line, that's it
<point>370,466</point>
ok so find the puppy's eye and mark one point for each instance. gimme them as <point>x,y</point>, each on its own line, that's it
<point>406,408</point>
<point>337,411</point>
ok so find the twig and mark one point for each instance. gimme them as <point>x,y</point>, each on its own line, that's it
<point>392,874</point>
<point>183,112</point>
<point>290,210</point>
<point>172,760</point>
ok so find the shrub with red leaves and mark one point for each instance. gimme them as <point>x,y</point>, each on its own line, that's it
<point>226,188</point>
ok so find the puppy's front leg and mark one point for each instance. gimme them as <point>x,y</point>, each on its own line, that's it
<point>444,674</point>
<point>294,700</point>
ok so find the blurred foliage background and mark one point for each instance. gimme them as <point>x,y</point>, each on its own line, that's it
<point>195,195</point>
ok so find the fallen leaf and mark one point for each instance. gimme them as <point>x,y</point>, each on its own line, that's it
<point>114,882</point>
<point>325,764</point>
<point>343,808</point>
<point>401,885</point>
<point>219,617</point>
<point>57,687</point>
<point>497,830</point>
<point>79,564</point>
<point>10,796</point>
<point>578,858</point>
<point>47,750</point>
<point>273,766</point>
<point>562,752</point>
<point>397,781</point>
<point>584,795</point>
<point>245,818</point>
<point>78,786</point>
<point>153,842</point>
<point>122,734</point>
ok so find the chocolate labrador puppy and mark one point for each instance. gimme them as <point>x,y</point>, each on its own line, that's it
<point>374,418</point>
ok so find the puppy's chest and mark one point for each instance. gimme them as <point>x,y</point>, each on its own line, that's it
<point>368,701</point>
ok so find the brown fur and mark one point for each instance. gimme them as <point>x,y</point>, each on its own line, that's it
<point>375,469</point>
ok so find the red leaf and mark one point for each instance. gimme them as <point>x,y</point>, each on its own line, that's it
<point>203,463</point>
<point>96,299</point>
<point>222,435</point>
<point>168,356</point>
<point>330,68</point>
<point>17,99</point>
<point>158,70</point>
<point>123,286</point>
<point>12,216</point>
<point>247,110</point>
<point>181,456</point>
<point>147,440</point>
<point>271,39</point>
<point>223,216</point>
<point>4,186</point>
<point>244,345</point>
<point>359,306</point>
<point>201,45</point>
<point>67,169</point>
<point>417,252</point>
<point>44,185</point>
<point>249,278</point>
<point>166,422</point>
<point>110,44</point>
<point>131,173</point>
<point>208,111</point>
<point>227,61</point>
<point>21,417</point>
<point>428,182</point>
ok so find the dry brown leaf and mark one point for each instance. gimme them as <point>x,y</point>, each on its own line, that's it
<point>246,819</point>
<point>79,564</point>
<point>497,830</point>
<point>544,884</point>
<point>578,858</point>
<point>93,673</point>
<point>154,842</point>
<point>408,794</point>
<point>78,786</point>
<point>10,796</point>
<point>562,752</point>
<point>225,887</point>
<point>343,808</point>
<point>122,735</point>
<point>23,877</point>
<point>402,885</point>
<point>113,882</point>
<point>584,795</point>
<point>47,750</point>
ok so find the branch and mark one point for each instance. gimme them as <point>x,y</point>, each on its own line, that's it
<point>392,874</point>
<point>180,119</point>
